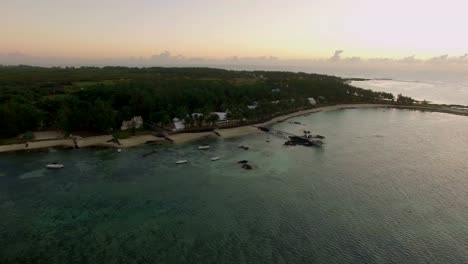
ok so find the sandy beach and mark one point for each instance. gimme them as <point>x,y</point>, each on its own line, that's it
<point>67,143</point>
<point>319,109</point>
<point>140,140</point>
<point>186,137</point>
<point>97,141</point>
<point>106,140</point>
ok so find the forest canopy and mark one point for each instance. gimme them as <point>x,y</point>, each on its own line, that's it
<point>99,99</point>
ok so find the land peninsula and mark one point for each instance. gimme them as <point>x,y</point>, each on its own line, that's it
<point>124,107</point>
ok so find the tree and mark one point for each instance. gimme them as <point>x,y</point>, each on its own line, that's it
<point>189,120</point>
<point>17,118</point>
<point>404,99</point>
<point>212,119</point>
<point>103,116</point>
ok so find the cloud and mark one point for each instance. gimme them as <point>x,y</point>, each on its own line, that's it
<point>438,59</point>
<point>353,59</point>
<point>335,65</point>
<point>409,59</point>
<point>252,60</point>
<point>337,55</point>
<point>461,59</point>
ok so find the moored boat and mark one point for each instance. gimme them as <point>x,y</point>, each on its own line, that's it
<point>215,158</point>
<point>54,166</point>
<point>181,162</point>
<point>203,147</point>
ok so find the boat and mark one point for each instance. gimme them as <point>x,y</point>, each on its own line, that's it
<point>55,166</point>
<point>215,158</point>
<point>203,147</point>
<point>181,162</point>
<point>119,150</point>
<point>268,140</point>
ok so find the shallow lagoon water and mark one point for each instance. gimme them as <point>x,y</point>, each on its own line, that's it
<point>389,186</point>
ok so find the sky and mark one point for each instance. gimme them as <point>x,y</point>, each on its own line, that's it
<point>149,31</point>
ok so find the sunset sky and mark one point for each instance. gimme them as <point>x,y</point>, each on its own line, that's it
<point>292,29</point>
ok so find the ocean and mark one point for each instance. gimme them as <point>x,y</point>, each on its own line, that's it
<point>440,92</point>
<point>388,186</point>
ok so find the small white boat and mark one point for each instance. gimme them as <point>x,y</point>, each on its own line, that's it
<point>215,158</point>
<point>181,162</point>
<point>203,147</point>
<point>119,150</point>
<point>268,140</point>
<point>54,166</point>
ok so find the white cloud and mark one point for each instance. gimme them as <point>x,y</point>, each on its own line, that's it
<point>439,59</point>
<point>409,59</point>
<point>337,55</point>
<point>354,66</point>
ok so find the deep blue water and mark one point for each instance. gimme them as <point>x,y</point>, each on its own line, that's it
<point>389,186</point>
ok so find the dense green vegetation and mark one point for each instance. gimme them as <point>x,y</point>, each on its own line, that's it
<point>98,99</point>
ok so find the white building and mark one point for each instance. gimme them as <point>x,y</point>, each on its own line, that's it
<point>135,122</point>
<point>312,101</point>
<point>178,124</point>
<point>222,116</point>
<point>252,106</point>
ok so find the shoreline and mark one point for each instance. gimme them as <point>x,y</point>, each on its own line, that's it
<point>106,140</point>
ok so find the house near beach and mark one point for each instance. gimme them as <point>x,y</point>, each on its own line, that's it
<point>252,106</point>
<point>222,116</point>
<point>312,101</point>
<point>136,122</point>
<point>178,124</point>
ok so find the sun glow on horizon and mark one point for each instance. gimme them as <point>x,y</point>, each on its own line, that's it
<point>300,29</point>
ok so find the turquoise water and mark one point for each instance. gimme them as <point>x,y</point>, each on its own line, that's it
<point>389,186</point>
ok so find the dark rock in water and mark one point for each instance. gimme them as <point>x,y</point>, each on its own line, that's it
<point>289,143</point>
<point>149,153</point>
<point>246,167</point>
<point>304,141</point>
<point>243,161</point>
<point>264,129</point>
<point>244,147</point>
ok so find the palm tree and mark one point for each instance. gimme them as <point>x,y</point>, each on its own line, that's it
<point>212,119</point>
<point>189,120</point>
